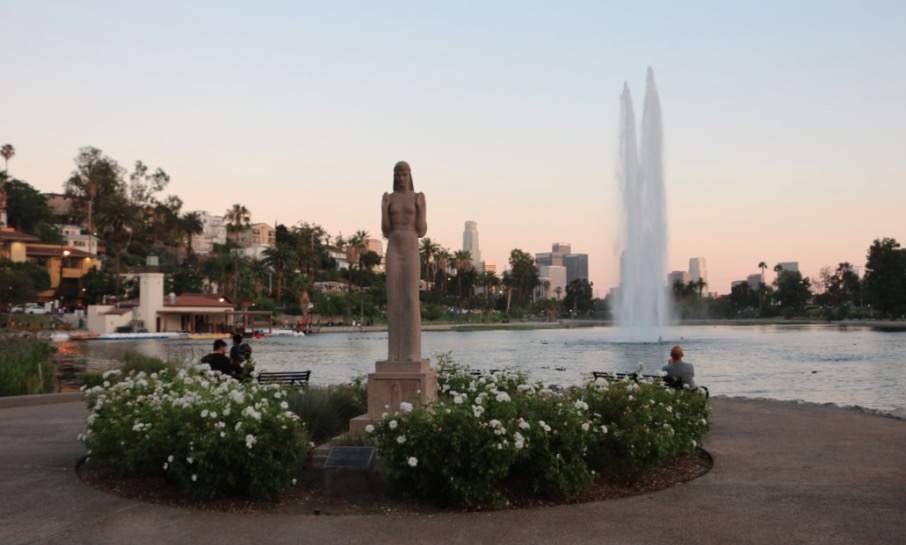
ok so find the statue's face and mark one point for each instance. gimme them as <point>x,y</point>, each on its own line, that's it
<point>401,181</point>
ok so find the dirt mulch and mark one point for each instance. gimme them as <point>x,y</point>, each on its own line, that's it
<point>307,498</point>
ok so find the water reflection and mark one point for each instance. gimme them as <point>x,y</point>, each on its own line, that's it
<point>816,363</point>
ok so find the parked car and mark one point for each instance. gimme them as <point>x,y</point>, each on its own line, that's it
<point>30,308</point>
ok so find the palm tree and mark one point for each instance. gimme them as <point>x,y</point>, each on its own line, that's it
<point>7,151</point>
<point>462,261</point>
<point>190,225</point>
<point>280,256</point>
<point>356,246</point>
<point>118,217</point>
<point>490,281</point>
<point>238,218</point>
<point>763,266</point>
<point>428,250</point>
<point>700,285</point>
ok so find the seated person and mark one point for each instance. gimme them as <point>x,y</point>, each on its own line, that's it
<point>219,361</point>
<point>234,350</point>
<point>677,368</point>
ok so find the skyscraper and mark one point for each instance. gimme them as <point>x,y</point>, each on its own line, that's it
<point>576,267</point>
<point>470,243</point>
<point>698,269</point>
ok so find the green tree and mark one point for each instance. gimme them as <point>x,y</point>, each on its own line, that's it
<point>27,210</point>
<point>523,276</point>
<point>117,218</point>
<point>793,291</point>
<point>238,218</point>
<point>885,278</point>
<point>95,179</point>
<point>580,296</point>
<point>427,250</point>
<point>462,262</point>
<point>7,151</point>
<point>281,256</point>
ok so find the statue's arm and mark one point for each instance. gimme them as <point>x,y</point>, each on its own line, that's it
<point>385,215</point>
<point>421,224</point>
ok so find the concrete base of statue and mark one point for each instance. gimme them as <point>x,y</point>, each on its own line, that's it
<point>392,383</point>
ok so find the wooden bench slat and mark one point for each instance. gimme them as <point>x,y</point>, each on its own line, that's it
<point>284,377</point>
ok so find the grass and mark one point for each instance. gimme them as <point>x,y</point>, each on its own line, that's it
<point>27,366</point>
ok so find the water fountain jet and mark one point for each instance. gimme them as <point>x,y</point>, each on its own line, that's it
<point>643,307</point>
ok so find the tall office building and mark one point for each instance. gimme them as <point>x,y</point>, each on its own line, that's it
<point>576,267</point>
<point>698,269</point>
<point>792,266</point>
<point>470,244</point>
<point>555,256</point>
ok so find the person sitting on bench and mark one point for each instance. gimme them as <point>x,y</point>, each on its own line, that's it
<point>679,369</point>
<point>219,361</point>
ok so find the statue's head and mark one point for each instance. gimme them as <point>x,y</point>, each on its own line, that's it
<point>402,177</point>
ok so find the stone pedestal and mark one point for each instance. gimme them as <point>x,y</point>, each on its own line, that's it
<point>392,383</point>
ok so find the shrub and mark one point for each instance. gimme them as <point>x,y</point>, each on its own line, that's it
<point>27,366</point>
<point>492,435</point>
<point>325,412</point>
<point>205,432</point>
<point>135,363</point>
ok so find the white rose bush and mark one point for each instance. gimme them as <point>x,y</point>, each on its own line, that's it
<point>493,435</point>
<point>209,434</point>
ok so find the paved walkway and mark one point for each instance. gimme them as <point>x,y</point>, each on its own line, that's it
<point>783,473</point>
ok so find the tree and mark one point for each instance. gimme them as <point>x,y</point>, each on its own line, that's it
<point>117,218</point>
<point>189,226</point>
<point>281,256</point>
<point>26,207</point>
<point>427,249</point>
<point>489,281</point>
<point>523,276</point>
<point>96,179</point>
<point>7,151</point>
<point>238,218</point>
<point>580,296</point>
<point>885,277</point>
<point>462,261</point>
<point>793,291</point>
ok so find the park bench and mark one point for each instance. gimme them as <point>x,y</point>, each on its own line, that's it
<point>295,378</point>
<point>672,382</point>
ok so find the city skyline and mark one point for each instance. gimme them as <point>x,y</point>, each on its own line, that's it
<point>781,121</point>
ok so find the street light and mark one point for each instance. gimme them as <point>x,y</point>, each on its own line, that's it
<point>63,255</point>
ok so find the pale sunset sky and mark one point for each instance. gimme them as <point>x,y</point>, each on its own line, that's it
<point>783,121</point>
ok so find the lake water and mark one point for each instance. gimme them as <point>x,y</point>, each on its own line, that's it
<point>846,365</point>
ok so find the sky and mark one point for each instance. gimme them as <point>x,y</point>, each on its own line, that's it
<point>782,120</point>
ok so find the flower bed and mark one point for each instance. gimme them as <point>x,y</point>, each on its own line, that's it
<point>493,436</point>
<point>210,434</point>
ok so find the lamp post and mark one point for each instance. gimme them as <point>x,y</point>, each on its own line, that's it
<point>63,255</point>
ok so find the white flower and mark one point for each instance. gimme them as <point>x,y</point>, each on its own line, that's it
<point>523,424</point>
<point>413,461</point>
<point>581,405</point>
<point>194,477</point>
<point>393,424</point>
<point>503,397</point>
<point>189,459</point>
<point>584,426</point>
<point>401,439</point>
<point>166,465</point>
<point>250,440</point>
<point>603,429</point>
<point>405,407</point>
<point>477,410</point>
<point>204,413</point>
<point>170,458</point>
<point>294,482</point>
<point>669,409</point>
<point>369,428</point>
<point>458,400</point>
<point>284,405</point>
<point>494,423</point>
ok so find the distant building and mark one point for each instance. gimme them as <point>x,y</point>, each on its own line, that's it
<point>489,266</point>
<point>213,232</point>
<point>470,243</point>
<point>555,256</point>
<point>792,266</point>
<point>698,269</point>
<point>72,236</point>
<point>576,267</point>
<point>681,276</point>
<point>258,233</point>
<point>755,281</point>
<point>555,277</point>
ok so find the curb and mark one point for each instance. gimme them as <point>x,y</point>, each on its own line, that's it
<point>10,402</point>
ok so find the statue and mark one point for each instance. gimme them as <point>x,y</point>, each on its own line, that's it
<point>403,223</point>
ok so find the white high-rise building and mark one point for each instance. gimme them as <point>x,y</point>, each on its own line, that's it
<point>470,243</point>
<point>698,269</point>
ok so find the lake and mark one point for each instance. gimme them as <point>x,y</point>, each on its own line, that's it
<point>841,364</point>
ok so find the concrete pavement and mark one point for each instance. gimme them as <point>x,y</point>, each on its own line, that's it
<point>783,473</point>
